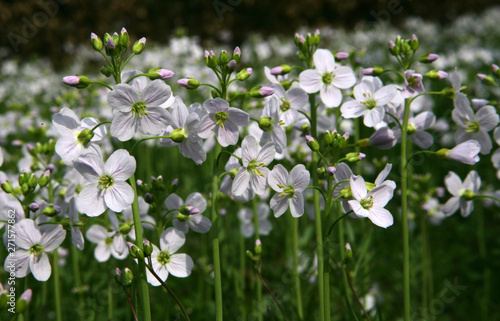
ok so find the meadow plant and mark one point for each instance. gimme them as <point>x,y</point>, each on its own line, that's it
<point>285,148</point>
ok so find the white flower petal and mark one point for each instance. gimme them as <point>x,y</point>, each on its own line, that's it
<point>120,165</point>
<point>180,265</point>
<point>171,240</point>
<point>311,80</point>
<point>119,196</point>
<point>40,267</point>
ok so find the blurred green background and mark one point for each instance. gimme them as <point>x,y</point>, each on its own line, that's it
<point>47,27</point>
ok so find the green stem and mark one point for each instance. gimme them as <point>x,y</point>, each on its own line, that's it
<point>215,235</point>
<point>404,208</point>
<point>143,283</point>
<point>354,291</point>
<point>110,303</point>
<point>76,273</point>
<point>257,236</point>
<point>295,245</point>
<point>102,84</point>
<point>317,213</point>
<point>57,286</point>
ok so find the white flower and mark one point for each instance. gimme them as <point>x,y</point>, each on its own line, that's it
<point>290,103</point>
<point>75,140</point>
<point>105,243</point>
<point>370,101</point>
<point>289,188</point>
<point>183,130</point>
<point>166,261</point>
<point>138,112</point>
<point>223,121</point>
<point>253,172</point>
<point>465,152</point>
<point>460,191</point>
<point>107,186</point>
<point>370,204</point>
<point>186,218</point>
<point>273,130</point>
<point>327,78</point>
<point>417,127</point>
<point>33,245</point>
<point>246,217</point>
<point>474,126</point>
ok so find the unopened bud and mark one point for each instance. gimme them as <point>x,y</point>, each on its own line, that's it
<point>312,143</point>
<point>138,46</point>
<point>486,79</point>
<point>236,54</point>
<point>96,42</point>
<point>160,73</point>
<point>355,157</point>
<point>44,179</point>
<point>78,81</point>
<point>189,83</point>
<point>124,38</point>
<point>426,59</point>
<point>244,74</point>
<point>148,248</point>
<point>281,70</point>
<point>341,55</point>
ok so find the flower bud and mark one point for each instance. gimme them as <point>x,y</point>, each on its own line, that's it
<point>414,43</point>
<point>436,74</point>
<point>148,197</point>
<point>124,228</point>
<point>231,64</point>
<point>393,48</point>
<point>159,73</point>
<point>330,170</point>
<point>312,143</point>
<point>427,59</point>
<point>487,80</point>
<point>34,207</point>
<point>148,248</point>
<point>341,55</point>
<point>373,71</point>
<point>7,187</point>
<point>138,46</point>
<point>236,54</point>
<point>110,47</point>
<point>33,181</point>
<point>124,39</point>
<point>478,103</point>
<point>244,74</point>
<point>78,81</point>
<point>321,172</point>
<point>44,179</point>
<point>496,70</point>
<point>135,251</point>
<point>354,157</point>
<point>348,252</point>
<point>85,136</point>
<point>189,83</point>
<point>258,246</point>
<point>24,301</point>
<point>266,123</point>
<point>96,42</point>
<point>261,91</point>
<point>127,277</point>
<point>223,58</point>
<point>281,70</point>
<point>51,210</point>
<point>107,70</point>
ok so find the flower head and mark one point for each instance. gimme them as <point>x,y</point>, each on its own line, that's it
<point>106,182</point>
<point>327,78</point>
<point>289,188</point>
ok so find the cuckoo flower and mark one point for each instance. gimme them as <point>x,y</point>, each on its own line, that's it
<point>327,78</point>
<point>107,243</point>
<point>76,138</point>
<point>474,126</point>
<point>246,217</point>
<point>33,244</point>
<point>370,100</point>
<point>290,103</point>
<point>271,124</point>
<point>183,132</point>
<point>189,213</point>
<point>166,261</point>
<point>462,193</point>
<point>223,121</point>
<point>135,111</point>
<point>371,204</point>
<point>107,186</point>
<point>289,188</point>
<point>253,171</point>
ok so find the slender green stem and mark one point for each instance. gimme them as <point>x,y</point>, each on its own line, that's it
<point>100,124</point>
<point>257,236</point>
<point>354,291</point>
<point>396,119</point>
<point>172,293</point>
<point>129,298</point>
<point>143,284</point>
<point>135,76</point>
<point>102,84</point>
<point>326,215</point>
<point>126,61</point>
<point>425,263</point>
<point>145,139</point>
<point>242,277</point>
<point>404,208</point>
<point>110,303</point>
<point>57,286</point>
<point>215,236</point>
<point>275,299</point>
<point>75,254</point>
<point>488,196</point>
<point>317,213</point>
<point>295,245</point>
<point>417,153</point>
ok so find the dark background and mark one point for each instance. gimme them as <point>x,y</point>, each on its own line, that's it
<point>44,27</point>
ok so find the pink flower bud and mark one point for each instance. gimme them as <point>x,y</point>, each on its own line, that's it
<point>341,55</point>
<point>276,71</point>
<point>266,91</point>
<point>72,81</point>
<point>165,74</point>
<point>368,71</point>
